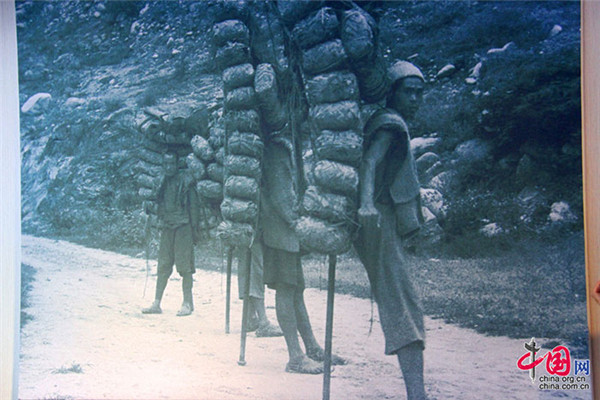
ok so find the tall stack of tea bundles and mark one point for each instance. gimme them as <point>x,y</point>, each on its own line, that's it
<point>206,166</point>
<point>268,39</point>
<point>268,43</point>
<point>243,144</point>
<point>162,130</point>
<point>359,34</point>
<point>268,47</point>
<point>209,152</point>
<point>336,129</point>
<point>278,86</point>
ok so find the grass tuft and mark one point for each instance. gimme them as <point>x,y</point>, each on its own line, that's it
<point>74,368</point>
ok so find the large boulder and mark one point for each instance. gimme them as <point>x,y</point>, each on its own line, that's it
<point>421,145</point>
<point>532,205</point>
<point>556,29</point>
<point>446,72</point>
<point>560,212</point>
<point>426,161</point>
<point>36,103</point>
<point>75,102</point>
<point>443,182</point>
<point>431,172</point>
<point>433,201</point>
<point>502,49</point>
<point>529,172</point>
<point>473,150</point>
<point>491,230</point>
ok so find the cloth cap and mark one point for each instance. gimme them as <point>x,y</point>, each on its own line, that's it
<point>403,69</point>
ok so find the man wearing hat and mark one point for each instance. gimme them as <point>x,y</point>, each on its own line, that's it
<point>178,215</point>
<point>389,213</point>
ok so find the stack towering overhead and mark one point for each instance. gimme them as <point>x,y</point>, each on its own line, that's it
<point>164,129</point>
<point>332,91</point>
<point>243,148</point>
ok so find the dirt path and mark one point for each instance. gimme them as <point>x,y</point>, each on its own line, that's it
<point>85,305</point>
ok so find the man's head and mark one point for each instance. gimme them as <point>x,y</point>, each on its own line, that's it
<point>407,84</point>
<point>170,164</point>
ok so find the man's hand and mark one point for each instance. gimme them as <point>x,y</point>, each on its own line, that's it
<point>368,215</point>
<point>196,235</point>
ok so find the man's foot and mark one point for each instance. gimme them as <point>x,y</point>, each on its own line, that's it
<point>269,330</point>
<point>153,309</point>
<point>319,355</point>
<point>252,324</point>
<point>304,365</point>
<point>185,309</point>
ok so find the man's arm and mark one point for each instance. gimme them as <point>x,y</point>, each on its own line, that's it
<point>194,213</point>
<point>374,155</point>
<point>160,200</point>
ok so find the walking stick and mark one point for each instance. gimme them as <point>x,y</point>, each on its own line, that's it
<point>228,296</point>
<point>329,327</point>
<point>242,360</point>
<point>147,251</point>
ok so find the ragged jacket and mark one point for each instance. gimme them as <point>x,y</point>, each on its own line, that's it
<point>396,178</point>
<point>279,196</point>
<point>178,202</point>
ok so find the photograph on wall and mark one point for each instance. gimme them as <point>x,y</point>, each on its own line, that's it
<point>301,199</point>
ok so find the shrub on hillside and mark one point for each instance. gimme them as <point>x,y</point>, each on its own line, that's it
<point>534,96</point>
<point>452,116</point>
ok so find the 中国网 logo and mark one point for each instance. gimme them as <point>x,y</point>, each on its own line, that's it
<point>561,372</point>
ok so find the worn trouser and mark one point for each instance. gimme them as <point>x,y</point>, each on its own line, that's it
<point>176,248</point>
<point>257,285</point>
<point>282,267</point>
<point>400,310</point>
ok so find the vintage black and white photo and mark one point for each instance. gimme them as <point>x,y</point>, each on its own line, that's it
<point>236,199</point>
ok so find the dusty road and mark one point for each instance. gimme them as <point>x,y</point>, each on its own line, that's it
<point>88,340</point>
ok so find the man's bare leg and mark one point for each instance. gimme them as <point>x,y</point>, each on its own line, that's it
<point>258,305</point>
<point>410,358</point>
<point>313,349</point>
<point>286,315</point>
<point>187,282</point>
<point>304,326</point>
<point>265,327</point>
<point>162,279</point>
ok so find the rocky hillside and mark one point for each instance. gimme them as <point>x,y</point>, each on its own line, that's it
<point>498,138</point>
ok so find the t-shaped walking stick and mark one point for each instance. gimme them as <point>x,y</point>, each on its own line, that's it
<point>245,307</point>
<point>228,295</point>
<point>329,327</point>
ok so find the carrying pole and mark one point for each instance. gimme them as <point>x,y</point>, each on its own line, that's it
<point>329,327</point>
<point>245,308</point>
<point>228,295</point>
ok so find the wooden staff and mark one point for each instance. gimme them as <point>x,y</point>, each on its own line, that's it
<point>242,360</point>
<point>147,251</point>
<point>228,296</point>
<point>329,327</point>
